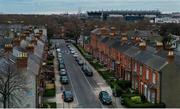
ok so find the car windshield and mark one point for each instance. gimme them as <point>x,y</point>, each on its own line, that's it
<point>105,95</point>
<point>64,77</point>
<point>68,94</point>
<point>63,70</point>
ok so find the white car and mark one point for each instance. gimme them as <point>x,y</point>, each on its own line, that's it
<point>58,50</point>
<point>60,56</point>
<point>75,55</point>
<point>72,51</point>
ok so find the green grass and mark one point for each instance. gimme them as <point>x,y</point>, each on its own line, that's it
<point>51,104</point>
<point>49,92</point>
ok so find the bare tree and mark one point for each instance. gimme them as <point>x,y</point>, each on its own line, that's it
<point>12,85</point>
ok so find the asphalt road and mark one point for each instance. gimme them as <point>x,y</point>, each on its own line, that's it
<point>82,87</point>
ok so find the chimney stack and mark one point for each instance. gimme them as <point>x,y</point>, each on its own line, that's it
<point>123,39</point>
<point>8,47</point>
<point>113,32</point>
<point>22,60</point>
<point>170,56</point>
<point>30,48</point>
<point>23,36</point>
<point>17,41</point>
<point>159,46</point>
<point>142,45</point>
<point>34,41</point>
<point>104,31</point>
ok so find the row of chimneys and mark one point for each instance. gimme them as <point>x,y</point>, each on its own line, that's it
<point>17,41</point>
<point>137,40</point>
<point>21,61</point>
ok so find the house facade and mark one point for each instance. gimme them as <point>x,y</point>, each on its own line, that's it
<point>130,58</point>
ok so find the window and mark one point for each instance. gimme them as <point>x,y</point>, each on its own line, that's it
<point>141,87</point>
<point>147,74</point>
<point>154,78</point>
<point>141,70</point>
<point>135,67</point>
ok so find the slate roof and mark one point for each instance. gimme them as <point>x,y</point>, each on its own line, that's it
<point>39,48</point>
<point>132,51</point>
<point>105,39</point>
<point>4,41</point>
<point>156,62</point>
<point>110,42</point>
<point>34,63</point>
<point>143,56</point>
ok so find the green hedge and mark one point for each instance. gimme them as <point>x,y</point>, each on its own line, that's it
<point>49,62</point>
<point>130,104</point>
<point>49,93</point>
<point>124,84</point>
<point>51,104</point>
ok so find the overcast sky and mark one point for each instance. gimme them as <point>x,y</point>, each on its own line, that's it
<point>73,6</point>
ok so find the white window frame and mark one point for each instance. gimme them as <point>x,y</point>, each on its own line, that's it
<point>135,67</point>
<point>142,87</point>
<point>154,78</point>
<point>140,72</point>
<point>147,74</point>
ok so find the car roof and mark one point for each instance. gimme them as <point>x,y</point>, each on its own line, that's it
<point>68,92</point>
<point>64,76</point>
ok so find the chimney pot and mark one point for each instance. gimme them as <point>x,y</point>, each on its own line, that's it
<point>142,45</point>
<point>170,56</point>
<point>159,45</point>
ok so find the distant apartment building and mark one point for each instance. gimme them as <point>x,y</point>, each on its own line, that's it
<point>167,20</point>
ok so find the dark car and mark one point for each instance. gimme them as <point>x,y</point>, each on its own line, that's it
<point>61,66</point>
<point>105,98</point>
<point>62,72</point>
<point>61,60</point>
<point>80,61</point>
<point>87,71</point>
<point>67,96</point>
<point>64,79</point>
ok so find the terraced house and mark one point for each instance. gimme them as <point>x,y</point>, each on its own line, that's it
<point>151,70</point>
<point>26,51</point>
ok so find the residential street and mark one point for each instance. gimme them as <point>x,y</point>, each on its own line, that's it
<point>85,89</point>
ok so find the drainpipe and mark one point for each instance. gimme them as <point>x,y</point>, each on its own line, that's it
<point>160,86</point>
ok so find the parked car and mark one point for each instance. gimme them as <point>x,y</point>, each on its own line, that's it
<point>59,55</point>
<point>87,71</point>
<point>64,79</point>
<point>75,55</point>
<point>67,96</point>
<point>105,98</point>
<point>80,61</point>
<point>61,66</point>
<point>62,72</point>
<point>72,51</point>
<point>61,61</point>
<point>58,50</point>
